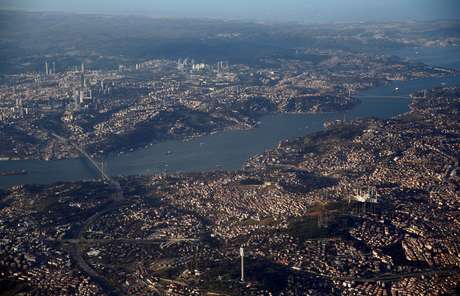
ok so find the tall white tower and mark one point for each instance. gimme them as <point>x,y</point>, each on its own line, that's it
<point>82,97</point>
<point>242,263</point>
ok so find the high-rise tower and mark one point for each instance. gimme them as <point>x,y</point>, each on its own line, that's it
<point>242,263</point>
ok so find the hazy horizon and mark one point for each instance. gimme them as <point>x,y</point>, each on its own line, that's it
<point>268,10</point>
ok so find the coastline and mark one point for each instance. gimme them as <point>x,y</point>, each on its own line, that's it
<point>227,149</point>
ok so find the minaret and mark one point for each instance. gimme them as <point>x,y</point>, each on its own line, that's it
<point>46,68</point>
<point>242,263</point>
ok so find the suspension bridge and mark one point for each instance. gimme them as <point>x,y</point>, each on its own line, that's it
<point>381,97</point>
<point>98,166</point>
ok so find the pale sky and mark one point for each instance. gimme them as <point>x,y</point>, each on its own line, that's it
<point>276,10</point>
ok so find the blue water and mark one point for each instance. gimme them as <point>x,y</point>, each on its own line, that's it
<point>224,150</point>
<point>448,57</point>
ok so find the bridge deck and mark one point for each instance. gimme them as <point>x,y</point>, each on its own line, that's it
<point>382,97</point>
<point>87,156</point>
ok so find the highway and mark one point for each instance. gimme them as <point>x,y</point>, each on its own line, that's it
<point>397,276</point>
<point>389,277</point>
<point>78,240</point>
<point>75,250</point>
<point>130,241</point>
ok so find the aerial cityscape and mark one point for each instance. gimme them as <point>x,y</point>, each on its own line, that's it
<point>147,155</point>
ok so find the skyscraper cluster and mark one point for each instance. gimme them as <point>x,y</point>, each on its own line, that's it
<point>50,69</point>
<point>83,92</point>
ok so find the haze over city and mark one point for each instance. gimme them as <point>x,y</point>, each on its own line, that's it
<point>266,10</point>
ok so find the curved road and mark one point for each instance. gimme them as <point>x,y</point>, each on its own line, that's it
<point>74,250</point>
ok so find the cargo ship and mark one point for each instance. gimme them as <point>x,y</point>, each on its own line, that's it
<point>13,173</point>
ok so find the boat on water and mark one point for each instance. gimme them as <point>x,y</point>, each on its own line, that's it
<point>13,173</point>
<point>332,123</point>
